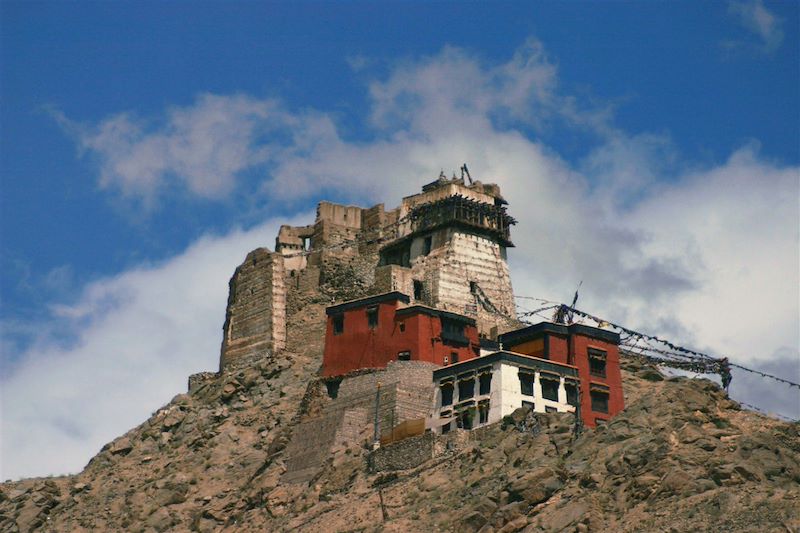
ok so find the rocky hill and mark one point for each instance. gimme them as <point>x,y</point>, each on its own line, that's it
<point>681,457</point>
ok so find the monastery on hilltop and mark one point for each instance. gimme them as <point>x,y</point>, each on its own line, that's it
<point>422,335</point>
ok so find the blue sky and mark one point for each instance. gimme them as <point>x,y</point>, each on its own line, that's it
<point>649,148</point>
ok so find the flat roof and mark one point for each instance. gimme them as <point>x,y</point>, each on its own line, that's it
<point>365,302</point>
<point>535,331</point>
<point>516,359</point>
<point>424,309</point>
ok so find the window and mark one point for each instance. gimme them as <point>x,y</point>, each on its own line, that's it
<point>426,246</point>
<point>550,409</point>
<point>372,317</point>
<point>473,287</point>
<point>600,421</point>
<point>572,393</point>
<point>446,428</point>
<point>549,387</point>
<point>404,356</point>
<point>485,383</point>
<point>418,289</point>
<point>464,419</point>
<point>333,388</point>
<point>454,357</point>
<point>526,383</point>
<point>447,394</point>
<point>402,326</point>
<point>453,331</point>
<point>599,401</point>
<point>528,405</point>
<point>597,362</point>
<point>338,324</point>
<point>466,389</point>
<point>483,413</point>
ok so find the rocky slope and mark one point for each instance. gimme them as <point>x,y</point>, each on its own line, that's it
<point>681,457</point>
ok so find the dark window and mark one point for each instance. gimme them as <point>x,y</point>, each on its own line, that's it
<point>465,419</point>
<point>426,248</point>
<point>453,331</point>
<point>550,409</point>
<point>402,326</point>
<point>452,326</point>
<point>404,356</point>
<point>372,317</point>
<point>446,428</point>
<point>572,393</point>
<point>466,389</point>
<point>599,401</point>
<point>447,394</point>
<point>485,383</point>
<point>418,289</point>
<point>473,287</point>
<point>483,413</point>
<point>333,388</point>
<point>597,362</point>
<point>454,357</point>
<point>549,388</point>
<point>527,405</point>
<point>338,324</point>
<point>526,383</point>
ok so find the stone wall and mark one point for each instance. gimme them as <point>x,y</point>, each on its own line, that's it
<point>406,393</point>
<point>255,319</point>
<point>415,451</point>
<point>403,455</point>
<point>447,273</point>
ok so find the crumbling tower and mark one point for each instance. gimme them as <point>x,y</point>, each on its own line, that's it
<point>450,252</point>
<point>255,319</point>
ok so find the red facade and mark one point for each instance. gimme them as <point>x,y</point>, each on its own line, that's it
<point>595,352</point>
<point>371,332</point>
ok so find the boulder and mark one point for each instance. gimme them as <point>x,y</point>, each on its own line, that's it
<point>121,446</point>
<point>536,486</point>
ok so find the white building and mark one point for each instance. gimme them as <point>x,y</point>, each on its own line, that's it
<point>482,391</point>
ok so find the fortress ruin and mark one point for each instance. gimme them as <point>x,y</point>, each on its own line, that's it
<point>444,247</point>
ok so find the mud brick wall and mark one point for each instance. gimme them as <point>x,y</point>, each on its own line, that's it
<point>255,319</point>
<point>448,270</point>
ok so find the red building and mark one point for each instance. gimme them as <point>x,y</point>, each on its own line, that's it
<point>595,353</point>
<point>370,332</point>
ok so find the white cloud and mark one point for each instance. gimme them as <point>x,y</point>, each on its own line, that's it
<point>202,147</point>
<point>138,336</point>
<point>757,19</point>
<point>707,257</point>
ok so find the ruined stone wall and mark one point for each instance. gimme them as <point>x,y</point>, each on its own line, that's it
<point>403,455</point>
<point>255,319</point>
<point>407,384</point>
<point>390,278</point>
<point>414,451</point>
<point>406,393</point>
